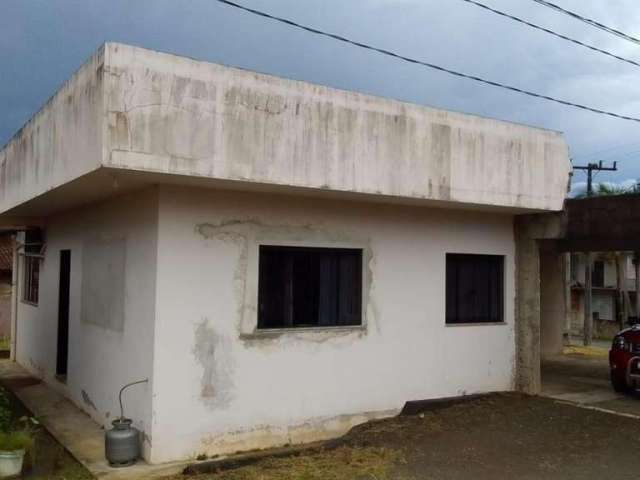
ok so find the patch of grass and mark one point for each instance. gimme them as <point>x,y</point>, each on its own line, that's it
<point>344,463</point>
<point>591,351</point>
<point>5,343</point>
<point>47,459</point>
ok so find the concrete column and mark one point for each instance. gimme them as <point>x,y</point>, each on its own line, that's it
<point>567,297</point>
<point>553,313</point>
<point>528,230</point>
<point>527,309</point>
<point>636,266</point>
<point>588,315</point>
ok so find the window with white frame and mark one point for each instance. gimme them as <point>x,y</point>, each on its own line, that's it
<point>309,287</point>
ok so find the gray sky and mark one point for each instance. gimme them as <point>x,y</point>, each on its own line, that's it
<point>43,41</point>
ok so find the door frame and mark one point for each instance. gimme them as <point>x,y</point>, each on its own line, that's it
<point>64,294</point>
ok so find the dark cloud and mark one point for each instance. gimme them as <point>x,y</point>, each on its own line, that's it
<point>43,42</point>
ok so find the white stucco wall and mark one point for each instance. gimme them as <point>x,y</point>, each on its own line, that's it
<point>103,355</point>
<point>298,386</point>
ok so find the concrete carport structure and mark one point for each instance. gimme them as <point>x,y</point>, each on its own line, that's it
<point>160,180</point>
<point>592,224</point>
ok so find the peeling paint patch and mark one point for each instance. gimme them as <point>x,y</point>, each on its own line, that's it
<point>247,233</point>
<point>213,353</point>
<point>279,339</point>
<point>225,232</point>
<point>268,436</point>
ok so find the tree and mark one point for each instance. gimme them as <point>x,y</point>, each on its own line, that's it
<point>606,189</point>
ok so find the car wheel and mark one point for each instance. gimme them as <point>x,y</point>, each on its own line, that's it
<point>619,384</point>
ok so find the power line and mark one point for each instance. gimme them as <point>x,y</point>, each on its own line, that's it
<point>589,21</point>
<point>551,32</point>
<point>427,64</point>
<point>619,157</point>
<point>611,148</point>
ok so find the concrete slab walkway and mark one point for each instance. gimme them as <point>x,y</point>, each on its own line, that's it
<point>584,381</point>
<point>73,428</point>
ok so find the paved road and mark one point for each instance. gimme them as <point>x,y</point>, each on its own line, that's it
<point>585,381</point>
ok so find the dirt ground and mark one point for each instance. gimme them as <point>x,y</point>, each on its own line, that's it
<point>493,437</point>
<point>49,460</point>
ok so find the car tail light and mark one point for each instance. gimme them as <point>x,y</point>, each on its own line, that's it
<point>620,343</point>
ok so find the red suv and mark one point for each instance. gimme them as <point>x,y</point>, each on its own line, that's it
<point>624,360</point>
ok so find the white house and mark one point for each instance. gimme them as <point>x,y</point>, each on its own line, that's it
<point>281,260</point>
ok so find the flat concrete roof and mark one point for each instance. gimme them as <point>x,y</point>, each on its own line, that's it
<point>129,109</point>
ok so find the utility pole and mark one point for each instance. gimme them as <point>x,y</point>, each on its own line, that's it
<point>590,168</point>
<point>588,314</point>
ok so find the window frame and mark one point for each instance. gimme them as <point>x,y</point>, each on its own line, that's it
<point>294,246</point>
<point>27,279</point>
<point>502,300</point>
<point>248,323</point>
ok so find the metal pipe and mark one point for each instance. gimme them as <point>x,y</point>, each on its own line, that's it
<point>122,390</point>
<point>14,299</point>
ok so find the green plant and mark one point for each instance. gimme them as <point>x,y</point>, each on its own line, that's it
<point>15,434</point>
<point>6,413</point>
<point>17,440</point>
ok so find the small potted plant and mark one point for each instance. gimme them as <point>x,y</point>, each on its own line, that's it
<point>16,438</point>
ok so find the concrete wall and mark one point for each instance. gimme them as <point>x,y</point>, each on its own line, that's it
<point>104,354</point>
<point>133,110</point>
<point>604,303</point>
<point>60,143</point>
<point>220,386</point>
<point>177,115</point>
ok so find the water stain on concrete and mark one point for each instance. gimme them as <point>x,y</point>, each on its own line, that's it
<point>213,352</point>
<point>87,400</point>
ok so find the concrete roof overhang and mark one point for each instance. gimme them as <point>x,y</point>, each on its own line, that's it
<point>130,118</point>
<point>604,223</point>
<point>104,183</point>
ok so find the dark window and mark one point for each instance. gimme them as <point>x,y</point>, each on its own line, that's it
<point>31,279</point>
<point>597,275</point>
<point>475,288</point>
<point>308,287</point>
